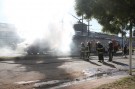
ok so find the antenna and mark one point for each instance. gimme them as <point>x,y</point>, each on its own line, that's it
<point>76,17</point>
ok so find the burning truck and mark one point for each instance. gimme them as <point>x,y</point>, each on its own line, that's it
<point>37,47</point>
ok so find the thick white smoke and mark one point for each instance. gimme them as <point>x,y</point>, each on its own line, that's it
<point>48,20</point>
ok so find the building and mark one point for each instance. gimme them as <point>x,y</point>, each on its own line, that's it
<point>93,37</point>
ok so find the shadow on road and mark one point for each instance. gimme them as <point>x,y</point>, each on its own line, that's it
<point>108,64</point>
<point>50,67</point>
<point>120,63</point>
<point>94,63</point>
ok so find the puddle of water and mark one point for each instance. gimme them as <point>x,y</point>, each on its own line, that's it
<point>99,72</point>
<point>26,82</point>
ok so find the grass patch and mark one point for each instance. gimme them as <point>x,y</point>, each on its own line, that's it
<point>125,83</point>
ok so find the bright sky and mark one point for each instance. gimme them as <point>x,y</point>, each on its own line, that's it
<point>13,9</point>
<point>45,19</point>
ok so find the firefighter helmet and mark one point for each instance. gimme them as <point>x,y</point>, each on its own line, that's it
<point>98,42</point>
<point>110,42</point>
<point>82,43</point>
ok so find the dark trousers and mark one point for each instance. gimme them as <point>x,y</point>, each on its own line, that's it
<point>110,55</point>
<point>88,54</point>
<point>82,55</point>
<point>100,57</point>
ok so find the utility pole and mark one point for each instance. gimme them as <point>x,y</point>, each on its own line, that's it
<point>130,50</point>
<point>123,42</point>
<point>130,39</point>
<point>88,28</point>
<point>82,25</point>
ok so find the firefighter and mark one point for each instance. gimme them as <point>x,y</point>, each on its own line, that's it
<point>82,53</point>
<point>100,51</point>
<point>88,50</point>
<point>110,50</point>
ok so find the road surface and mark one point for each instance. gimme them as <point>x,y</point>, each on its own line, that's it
<point>41,72</point>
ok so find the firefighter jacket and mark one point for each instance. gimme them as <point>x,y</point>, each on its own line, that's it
<point>88,48</point>
<point>82,48</point>
<point>100,49</point>
<point>110,47</point>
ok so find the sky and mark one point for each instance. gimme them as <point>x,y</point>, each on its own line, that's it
<point>48,20</point>
<point>5,6</point>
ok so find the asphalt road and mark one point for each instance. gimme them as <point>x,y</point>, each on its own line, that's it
<point>40,71</point>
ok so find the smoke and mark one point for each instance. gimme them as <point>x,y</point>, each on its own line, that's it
<point>47,20</point>
<point>8,52</point>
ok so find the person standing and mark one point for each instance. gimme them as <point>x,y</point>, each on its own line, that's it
<point>82,53</point>
<point>110,50</point>
<point>125,50</point>
<point>100,51</point>
<point>88,50</point>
